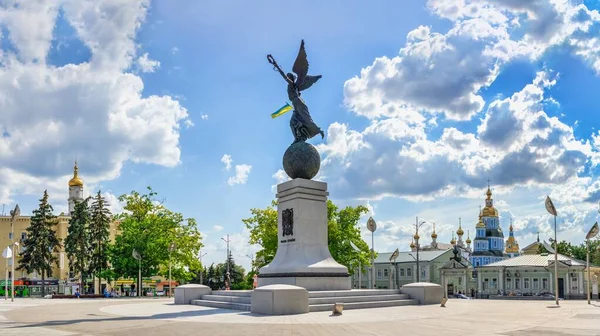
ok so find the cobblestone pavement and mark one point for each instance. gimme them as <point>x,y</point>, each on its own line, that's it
<point>132,317</point>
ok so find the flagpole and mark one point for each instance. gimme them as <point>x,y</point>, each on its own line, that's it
<point>555,264</point>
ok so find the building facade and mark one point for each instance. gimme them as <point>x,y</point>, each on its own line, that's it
<point>402,271</point>
<point>60,271</point>
<point>532,275</point>
<point>488,245</point>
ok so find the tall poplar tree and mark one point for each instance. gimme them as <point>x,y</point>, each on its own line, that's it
<point>77,244</point>
<point>41,245</point>
<point>99,234</point>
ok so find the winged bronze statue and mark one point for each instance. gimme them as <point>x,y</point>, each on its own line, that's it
<point>301,123</point>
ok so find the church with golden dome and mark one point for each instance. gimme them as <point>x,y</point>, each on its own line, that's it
<point>488,245</point>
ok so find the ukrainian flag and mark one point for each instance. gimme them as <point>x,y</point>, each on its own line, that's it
<point>286,108</point>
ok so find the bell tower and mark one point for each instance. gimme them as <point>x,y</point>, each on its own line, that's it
<point>75,189</point>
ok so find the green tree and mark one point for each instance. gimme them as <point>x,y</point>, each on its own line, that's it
<point>149,227</point>
<point>343,229</point>
<point>99,233</point>
<point>77,243</point>
<point>41,245</point>
<point>263,231</point>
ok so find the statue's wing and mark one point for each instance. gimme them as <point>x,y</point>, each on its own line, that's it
<point>308,82</point>
<point>301,65</point>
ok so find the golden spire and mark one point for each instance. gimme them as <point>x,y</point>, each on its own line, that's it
<point>453,241</point>
<point>76,181</point>
<point>433,234</point>
<point>412,244</point>
<point>510,228</point>
<point>460,231</point>
<point>489,191</point>
<point>468,237</point>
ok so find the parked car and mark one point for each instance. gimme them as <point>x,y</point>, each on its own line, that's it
<point>160,293</point>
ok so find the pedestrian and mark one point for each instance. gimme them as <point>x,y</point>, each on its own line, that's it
<point>77,294</point>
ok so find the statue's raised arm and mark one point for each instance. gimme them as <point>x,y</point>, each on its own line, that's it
<point>301,123</point>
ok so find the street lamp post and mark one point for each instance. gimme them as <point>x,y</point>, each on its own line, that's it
<point>136,255</point>
<point>202,268</point>
<point>13,217</point>
<point>227,241</point>
<point>171,249</point>
<point>372,226</point>
<point>251,262</point>
<point>552,210</point>
<point>416,236</point>
<point>591,234</point>
<point>359,266</point>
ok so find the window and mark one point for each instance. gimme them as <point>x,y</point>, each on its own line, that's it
<point>517,283</point>
<point>486,284</point>
<point>10,235</point>
<point>23,236</point>
<point>409,272</point>
<point>574,284</point>
<point>402,272</point>
<point>509,283</point>
<point>423,273</point>
<point>494,283</point>
<point>536,283</point>
<point>379,274</point>
<point>544,283</point>
<point>385,273</point>
<point>526,283</point>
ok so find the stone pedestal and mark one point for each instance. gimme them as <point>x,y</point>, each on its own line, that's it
<point>303,258</point>
<point>186,293</point>
<point>426,292</point>
<point>279,300</point>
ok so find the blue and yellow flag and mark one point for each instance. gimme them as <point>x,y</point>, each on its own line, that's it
<point>286,108</point>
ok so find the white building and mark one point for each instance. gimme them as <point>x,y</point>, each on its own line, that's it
<point>531,275</point>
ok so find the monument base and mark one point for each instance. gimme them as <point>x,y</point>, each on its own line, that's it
<point>311,283</point>
<point>303,258</point>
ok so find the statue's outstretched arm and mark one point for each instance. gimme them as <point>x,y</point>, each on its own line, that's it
<point>276,67</point>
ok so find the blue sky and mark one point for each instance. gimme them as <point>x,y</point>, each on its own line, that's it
<point>421,101</point>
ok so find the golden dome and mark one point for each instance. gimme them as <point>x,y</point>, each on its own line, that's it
<point>75,181</point>
<point>460,231</point>
<point>412,245</point>
<point>453,241</point>
<point>468,238</point>
<point>434,235</point>
<point>490,212</point>
<point>416,236</point>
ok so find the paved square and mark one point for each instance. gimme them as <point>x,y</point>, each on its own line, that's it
<point>161,317</point>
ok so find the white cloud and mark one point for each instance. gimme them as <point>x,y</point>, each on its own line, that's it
<point>174,50</point>
<point>204,117</point>
<point>93,111</point>
<point>146,64</point>
<point>516,144</point>
<point>217,228</point>
<point>226,159</point>
<point>241,175</point>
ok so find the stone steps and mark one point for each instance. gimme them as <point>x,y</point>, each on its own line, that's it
<point>364,305</point>
<point>227,298</point>
<point>222,304</point>
<point>353,292</point>
<point>244,293</point>
<point>318,301</point>
<point>357,298</point>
